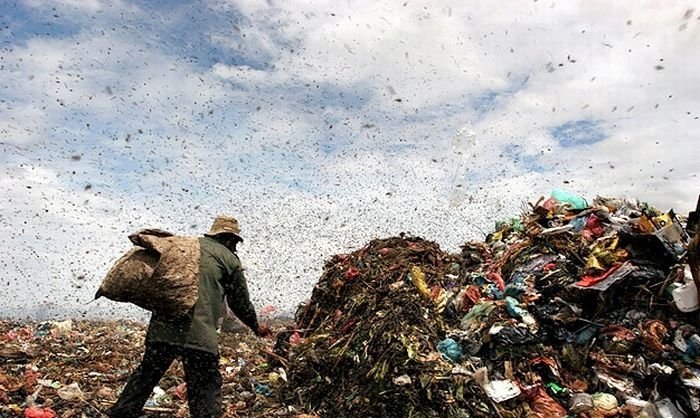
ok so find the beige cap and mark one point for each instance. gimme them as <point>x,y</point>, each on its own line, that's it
<point>225,225</point>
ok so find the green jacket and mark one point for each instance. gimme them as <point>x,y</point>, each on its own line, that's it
<point>220,274</point>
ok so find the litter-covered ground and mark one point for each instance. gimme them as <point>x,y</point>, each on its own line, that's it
<point>76,369</point>
<point>575,308</point>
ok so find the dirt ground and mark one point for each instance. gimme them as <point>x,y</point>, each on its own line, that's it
<point>77,369</point>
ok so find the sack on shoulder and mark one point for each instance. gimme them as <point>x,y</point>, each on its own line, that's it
<point>160,273</point>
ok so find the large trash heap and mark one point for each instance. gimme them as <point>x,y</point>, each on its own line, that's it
<point>567,310</point>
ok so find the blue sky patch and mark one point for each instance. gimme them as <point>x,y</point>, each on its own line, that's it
<point>207,36</point>
<point>485,102</point>
<point>20,23</point>
<point>489,100</point>
<point>514,154</point>
<point>578,132</point>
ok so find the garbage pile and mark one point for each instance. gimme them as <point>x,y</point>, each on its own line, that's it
<point>364,344</point>
<point>572,309</point>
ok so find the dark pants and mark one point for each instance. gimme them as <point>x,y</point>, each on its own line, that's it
<point>201,375</point>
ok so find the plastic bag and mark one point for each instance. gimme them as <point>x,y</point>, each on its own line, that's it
<point>39,413</point>
<point>570,199</point>
<point>450,349</point>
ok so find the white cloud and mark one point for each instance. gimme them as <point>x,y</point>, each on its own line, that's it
<point>323,125</point>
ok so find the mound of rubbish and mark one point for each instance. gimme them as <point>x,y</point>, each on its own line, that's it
<point>572,309</point>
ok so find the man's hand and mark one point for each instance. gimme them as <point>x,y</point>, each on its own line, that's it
<point>263,331</point>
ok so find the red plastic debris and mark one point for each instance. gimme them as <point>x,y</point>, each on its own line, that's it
<point>470,298</point>
<point>595,226</point>
<point>549,267</point>
<point>548,361</point>
<point>351,273</point>
<point>294,339</point>
<point>181,391</point>
<point>39,413</point>
<point>435,292</point>
<point>550,204</point>
<point>496,278</point>
<point>588,281</point>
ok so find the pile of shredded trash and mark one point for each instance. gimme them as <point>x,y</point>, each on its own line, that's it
<point>572,309</point>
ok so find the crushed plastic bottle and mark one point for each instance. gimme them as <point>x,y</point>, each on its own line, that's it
<point>685,296</point>
<point>464,140</point>
<point>71,392</point>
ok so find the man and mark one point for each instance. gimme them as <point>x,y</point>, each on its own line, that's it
<point>694,258</point>
<point>193,338</point>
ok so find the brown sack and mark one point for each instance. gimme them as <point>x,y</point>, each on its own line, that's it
<point>160,274</point>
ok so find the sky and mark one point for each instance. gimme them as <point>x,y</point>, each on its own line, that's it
<point>321,125</point>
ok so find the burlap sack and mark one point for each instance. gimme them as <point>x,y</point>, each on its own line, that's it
<point>160,274</point>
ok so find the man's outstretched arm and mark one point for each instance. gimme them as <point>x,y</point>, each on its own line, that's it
<point>238,299</point>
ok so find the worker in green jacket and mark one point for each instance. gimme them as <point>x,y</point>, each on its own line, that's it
<point>193,338</point>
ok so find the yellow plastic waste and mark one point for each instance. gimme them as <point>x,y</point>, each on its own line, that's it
<point>593,264</point>
<point>663,220</point>
<point>602,256</point>
<point>497,236</point>
<point>418,280</point>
